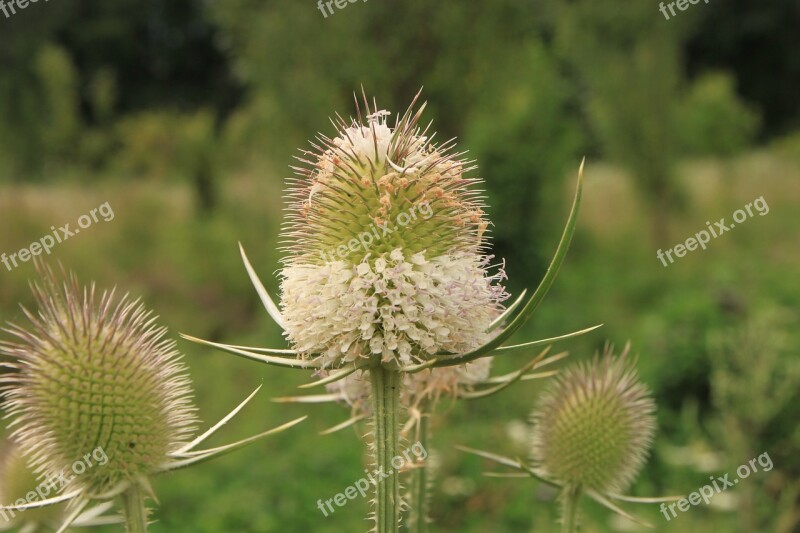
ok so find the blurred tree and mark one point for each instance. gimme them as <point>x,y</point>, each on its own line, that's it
<point>23,99</point>
<point>199,157</point>
<point>629,64</point>
<point>67,66</point>
<point>58,80</point>
<point>525,135</point>
<point>161,53</point>
<point>758,43</point>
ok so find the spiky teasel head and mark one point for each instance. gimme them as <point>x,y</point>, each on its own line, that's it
<point>593,427</point>
<point>386,247</point>
<point>100,401</point>
<point>93,371</point>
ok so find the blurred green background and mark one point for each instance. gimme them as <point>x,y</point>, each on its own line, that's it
<point>185,116</point>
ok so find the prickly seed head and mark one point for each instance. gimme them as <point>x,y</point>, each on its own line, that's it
<point>93,372</point>
<point>594,425</point>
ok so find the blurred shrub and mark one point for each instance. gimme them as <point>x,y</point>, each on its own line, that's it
<point>525,136</point>
<point>755,384</point>
<point>712,120</point>
<point>171,145</point>
<point>788,146</point>
<point>755,359</point>
<point>149,143</point>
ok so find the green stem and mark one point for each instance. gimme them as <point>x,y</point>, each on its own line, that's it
<point>134,511</point>
<point>418,522</point>
<point>386,413</point>
<point>569,520</point>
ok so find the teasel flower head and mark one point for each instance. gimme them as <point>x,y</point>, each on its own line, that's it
<point>94,373</point>
<point>386,262</point>
<point>386,271</point>
<point>386,247</point>
<point>420,393</point>
<point>594,425</point>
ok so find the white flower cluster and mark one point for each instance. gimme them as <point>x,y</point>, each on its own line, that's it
<point>371,146</point>
<point>397,307</point>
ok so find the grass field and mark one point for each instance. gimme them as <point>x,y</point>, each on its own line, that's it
<point>188,269</point>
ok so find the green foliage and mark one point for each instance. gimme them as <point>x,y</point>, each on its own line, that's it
<point>59,82</point>
<point>525,154</point>
<point>712,120</point>
<point>629,63</point>
<point>39,116</point>
<point>678,318</point>
<point>171,145</point>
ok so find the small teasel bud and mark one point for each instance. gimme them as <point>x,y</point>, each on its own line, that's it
<point>95,383</point>
<point>593,426</point>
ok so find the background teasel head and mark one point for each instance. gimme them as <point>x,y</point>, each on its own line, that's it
<point>93,370</point>
<point>593,426</point>
<point>94,373</point>
<point>592,431</point>
<point>18,481</point>
<point>385,242</point>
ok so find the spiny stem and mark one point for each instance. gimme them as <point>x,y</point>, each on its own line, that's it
<point>418,522</point>
<point>386,412</point>
<point>571,496</point>
<point>134,510</point>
